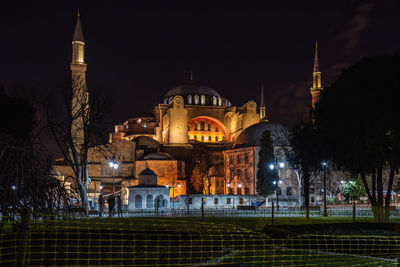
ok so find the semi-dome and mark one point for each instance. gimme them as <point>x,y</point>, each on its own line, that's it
<point>195,94</point>
<point>158,156</point>
<point>251,136</point>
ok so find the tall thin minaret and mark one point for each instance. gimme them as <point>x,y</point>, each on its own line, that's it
<point>263,115</point>
<point>316,88</point>
<point>80,95</point>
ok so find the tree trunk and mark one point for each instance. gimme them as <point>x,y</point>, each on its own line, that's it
<point>306,188</point>
<point>379,186</point>
<point>389,193</point>
<point>23,237</point>
<point>83,193</point>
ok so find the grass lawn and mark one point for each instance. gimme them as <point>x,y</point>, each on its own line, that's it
<point>182,241</point>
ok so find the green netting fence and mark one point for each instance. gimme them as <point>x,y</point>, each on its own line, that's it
<point>180,242</point>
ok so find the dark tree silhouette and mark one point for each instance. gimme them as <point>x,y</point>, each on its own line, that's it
<point>266,176</point>
<point>358,121</point>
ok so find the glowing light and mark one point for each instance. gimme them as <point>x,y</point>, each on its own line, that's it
<point>228,185</point>
<point>240,185</point>
<point>274,182</point>
<point>167,185</point>
<point>13,187</point>
<point>271,166</point>
<point>281,164</point>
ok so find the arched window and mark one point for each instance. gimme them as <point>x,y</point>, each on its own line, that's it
<point>203,99</point>
<point>195,126</point>
<point>189,99</point>
<point>195,137</point>
<point>165,100</point>
<point>219,101</point>
<point>208,127</point>
<point>170,100</point>
<point>159,202</point>
<point>216,128</point>
<point>202,138</point>
<point>138,202</point>
<point>214,101</point>
<point>223,138</point>
<point>209,138</point>
<point>216,138</point>
<point>196,99</point>
<point>149,202</point>
<point>202,124</point>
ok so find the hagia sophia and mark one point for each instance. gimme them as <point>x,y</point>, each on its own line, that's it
<point>190,124</point>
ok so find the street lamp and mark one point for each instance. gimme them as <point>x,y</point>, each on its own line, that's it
<point>173,193</point>
<point>277,182</point>
<point>114,165</point>
<point>324,167</point>
<point>13,187</point>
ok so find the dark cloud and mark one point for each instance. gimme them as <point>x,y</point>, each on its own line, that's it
<point>357,24</point>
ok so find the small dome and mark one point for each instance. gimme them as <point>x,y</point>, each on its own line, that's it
<point>147,171</point>
<point>251,136</point>
<point>158,156</point>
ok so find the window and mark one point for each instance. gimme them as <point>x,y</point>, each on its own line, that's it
<point>203,100</point>
<point>216,128</point>
<point>195,126</point>
<point>312,190</point>
<point>223,138</point>
<point>240,200</point>
<point>246,158</point>
<point>195,137</point>
<point>209,138</point>
<point>188,128</point>
<point>208,127</point>
<point>170,100</point>
<point>214,101</point>
<point>196,99</point>
<point>149,202</point>
<point>247,191</point>
<point>228,200</point>
<point>202,138</point>
<point>215,200</point>
<point>189,99</point>
<point>138,202</point>
<point>219,101</point>
<point>202,125</point>
<point>216,139</point>
<point>245,174</point>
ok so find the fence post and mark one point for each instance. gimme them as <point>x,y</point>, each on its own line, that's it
<point>23,237</point>
<point>354,211</point>
<point>272,214</point>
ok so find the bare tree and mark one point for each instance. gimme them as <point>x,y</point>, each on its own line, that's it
<point>76,128</point>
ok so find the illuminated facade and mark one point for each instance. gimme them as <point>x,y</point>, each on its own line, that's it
<point>190,124</point>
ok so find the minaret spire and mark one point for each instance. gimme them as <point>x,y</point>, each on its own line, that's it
<point>263,116</point>
<point>316,88</point>
<point>80,95</point>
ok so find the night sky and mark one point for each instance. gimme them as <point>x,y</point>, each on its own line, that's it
<point>136,53</point>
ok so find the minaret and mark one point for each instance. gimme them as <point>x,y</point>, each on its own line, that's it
<point>263,115</point>
<point>316,88</point>
<point>80,95</point>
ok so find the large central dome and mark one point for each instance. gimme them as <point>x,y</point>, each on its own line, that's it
<point>191,88</point>
<point>196,94</point>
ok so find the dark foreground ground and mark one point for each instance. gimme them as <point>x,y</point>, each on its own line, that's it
<point>196,242</point>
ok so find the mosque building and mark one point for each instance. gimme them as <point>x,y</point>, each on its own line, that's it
<point>190,124</point>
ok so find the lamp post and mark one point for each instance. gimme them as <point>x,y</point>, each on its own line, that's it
<point>173,193</point>
<point>272,166</point>
<point>324,167</point>
<point>114,165</point>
